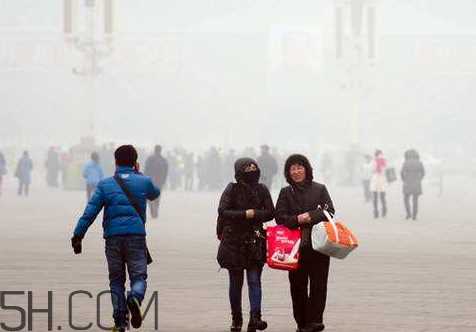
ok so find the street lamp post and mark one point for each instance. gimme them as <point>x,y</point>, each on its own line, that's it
<point>94,45</point>
<point>355,53</point>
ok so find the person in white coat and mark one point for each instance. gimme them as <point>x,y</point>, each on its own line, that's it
<point>378,184</point>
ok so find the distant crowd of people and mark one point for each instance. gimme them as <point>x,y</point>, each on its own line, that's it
<point>211,170</point>
<point>180,169</point>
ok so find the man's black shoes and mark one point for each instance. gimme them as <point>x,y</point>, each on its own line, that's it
<point>134,308</point>
<point>76,243</point>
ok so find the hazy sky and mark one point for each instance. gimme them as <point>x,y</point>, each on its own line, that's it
<point>214,72</point>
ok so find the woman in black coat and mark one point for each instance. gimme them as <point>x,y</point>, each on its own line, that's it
<point>299,206</point>
<point>244,207</point>
<point>412,174</point>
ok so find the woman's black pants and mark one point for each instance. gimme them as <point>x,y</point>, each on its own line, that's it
<point>309,302</point>
<point>413,210</point>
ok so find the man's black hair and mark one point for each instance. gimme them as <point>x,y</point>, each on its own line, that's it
<point>158,149</point>
<point>126,155</point>
<point>95,156</point>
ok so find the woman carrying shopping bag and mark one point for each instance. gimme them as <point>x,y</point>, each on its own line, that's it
<point>244,207</point>
<point>300,206</point>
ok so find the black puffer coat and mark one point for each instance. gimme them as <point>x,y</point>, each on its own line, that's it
<point>412,173</point>
<point>300,198</point>
<point>243,241</point>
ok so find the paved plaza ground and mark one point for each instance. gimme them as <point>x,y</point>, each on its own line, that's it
<point>405,277</point>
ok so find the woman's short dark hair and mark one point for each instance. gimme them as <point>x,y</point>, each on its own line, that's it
<point>298,159</point>
<point>126,155</point>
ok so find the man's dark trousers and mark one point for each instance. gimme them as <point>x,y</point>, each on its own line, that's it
<point>121,252</point>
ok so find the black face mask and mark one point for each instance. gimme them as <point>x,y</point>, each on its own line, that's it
<point>251,177</point>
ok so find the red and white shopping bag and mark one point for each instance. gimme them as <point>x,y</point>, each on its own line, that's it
<point>333,238</point>
<point>283,247</point>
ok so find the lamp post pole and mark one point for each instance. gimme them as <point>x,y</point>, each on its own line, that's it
<point>93,45</point>
<point>355,34</point>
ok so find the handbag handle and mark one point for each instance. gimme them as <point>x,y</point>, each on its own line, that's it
<point>333,224</point>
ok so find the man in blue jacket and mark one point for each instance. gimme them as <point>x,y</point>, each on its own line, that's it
<point>124,232</point>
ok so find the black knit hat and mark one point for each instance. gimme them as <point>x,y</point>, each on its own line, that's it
<point>300,160</point>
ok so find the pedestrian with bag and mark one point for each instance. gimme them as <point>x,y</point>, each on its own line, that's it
<point>123,198</point>
<point>300,206</point>
<point>244,207</point>
<point>378,184</point>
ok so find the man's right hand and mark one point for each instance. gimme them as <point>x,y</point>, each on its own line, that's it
<point>76,243</point>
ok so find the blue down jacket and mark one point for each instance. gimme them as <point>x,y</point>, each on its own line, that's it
<point>119,218</point>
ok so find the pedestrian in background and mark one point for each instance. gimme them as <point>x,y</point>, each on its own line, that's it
<point>378,184</point>
<point>23,174</point>
<point>157,168</point>
<point>269,165</point>
<point>3,170</point>
<point>92,174</point>
<point>366,174</point>
<point>412,174</point>
<point>53,167</point>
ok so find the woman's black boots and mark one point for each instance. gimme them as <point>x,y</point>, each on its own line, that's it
<point>256,323</point>
<point>236,322</point>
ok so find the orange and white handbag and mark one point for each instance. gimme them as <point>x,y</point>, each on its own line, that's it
<point>333,238</point>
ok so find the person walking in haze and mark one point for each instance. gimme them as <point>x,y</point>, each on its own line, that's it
<point>244,207</point>
<point>299,206</point>
<point>188,169</point>
<point>173,171</point>
<point>157,168</point>
<point>23,173</point>
<point>92,174</point>
<point>214,169</point>
<point>3,170</point>
<point>228,165</point>
<point>53,167</point>
<point>123,198</point>
<point>412,174</point>
<point>366,171</point>
<point>378,184</point>
<point>269,165</point>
